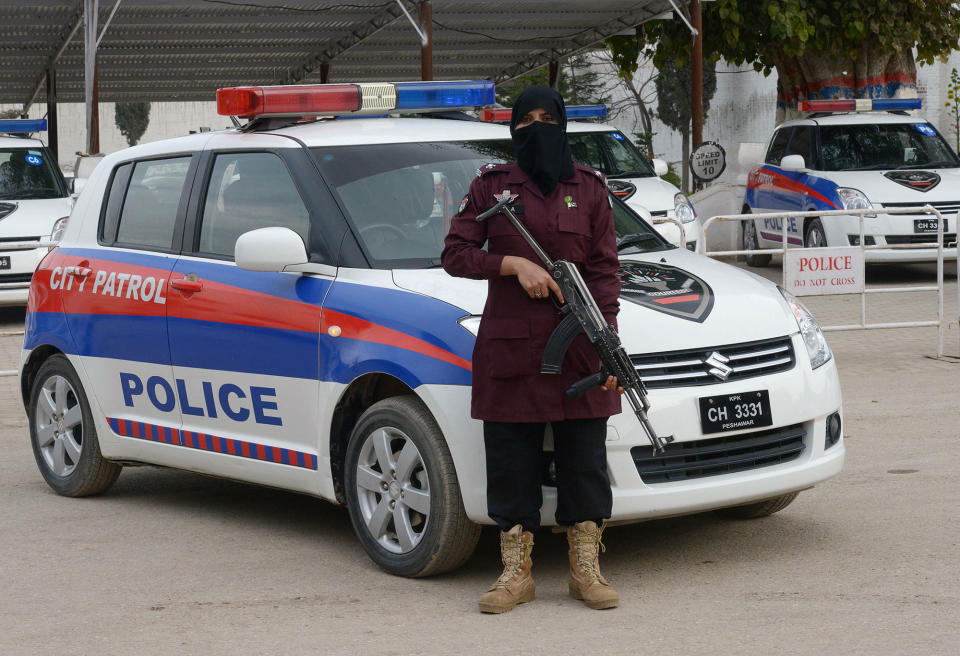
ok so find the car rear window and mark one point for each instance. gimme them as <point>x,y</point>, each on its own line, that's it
<point>148,216</point>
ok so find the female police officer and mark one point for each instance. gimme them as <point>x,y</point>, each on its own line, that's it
<point>566,208</point>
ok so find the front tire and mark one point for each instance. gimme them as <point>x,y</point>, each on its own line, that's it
<point>815,236</point>
<point>751,242</point>
<point>763,508</point>
<point>63,435</point>
<point>402,491</point>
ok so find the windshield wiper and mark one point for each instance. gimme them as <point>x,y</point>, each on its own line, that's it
<point>929,165</point>
<point>627,174</point>
<point>634,239</point>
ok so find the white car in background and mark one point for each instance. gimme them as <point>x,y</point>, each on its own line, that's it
<point>34,205</point>
<point>629,175</point>
<point>851,154</point>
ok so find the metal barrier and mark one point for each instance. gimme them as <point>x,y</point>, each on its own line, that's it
<point>863,325</point>
<point>683,231</point>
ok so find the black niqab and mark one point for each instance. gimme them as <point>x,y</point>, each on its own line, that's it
<point>542,149</point>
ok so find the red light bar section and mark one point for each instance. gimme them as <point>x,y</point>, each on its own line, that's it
<point>495,115</point>
<point>827,105</point>
<point>300,100</point>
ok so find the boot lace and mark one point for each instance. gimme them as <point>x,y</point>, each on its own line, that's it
<point>512,553</point>
<point>588,545</point>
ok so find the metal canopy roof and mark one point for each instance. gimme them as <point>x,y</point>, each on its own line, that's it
<point>162,50</point>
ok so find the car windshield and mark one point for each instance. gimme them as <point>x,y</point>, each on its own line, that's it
<point>610,153</point>
<point>400,197</point>
<point>884,147</point>
<point>27,173</point>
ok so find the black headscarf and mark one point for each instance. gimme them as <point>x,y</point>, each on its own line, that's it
<point>542,149</point>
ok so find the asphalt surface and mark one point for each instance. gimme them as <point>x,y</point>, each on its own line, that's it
<point>169,562</point>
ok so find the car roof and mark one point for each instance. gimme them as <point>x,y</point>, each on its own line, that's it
<point>392,130</point>
<point>584,126</point>
<point>19,142</point>
<point>854,118</point>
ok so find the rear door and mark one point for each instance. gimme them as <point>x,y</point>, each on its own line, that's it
<point>244,344</point>
<point>115,299</point>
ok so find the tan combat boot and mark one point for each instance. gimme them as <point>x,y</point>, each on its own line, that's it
<point>586,582</point>
<point>515,585</point>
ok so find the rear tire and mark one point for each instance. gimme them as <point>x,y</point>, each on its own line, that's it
<point>750,242</point>
<point>402,491</point>
<point>63,435</point>
<point>763,508</point>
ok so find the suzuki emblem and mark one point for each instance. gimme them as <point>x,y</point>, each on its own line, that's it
<point>718,366</point>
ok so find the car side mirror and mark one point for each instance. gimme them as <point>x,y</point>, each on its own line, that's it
<point>794,163</point>
<point>269,249</point>
<point>660,167</point>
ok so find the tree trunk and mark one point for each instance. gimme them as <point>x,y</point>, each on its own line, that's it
<point>818,76</point>
<point>685,167</point>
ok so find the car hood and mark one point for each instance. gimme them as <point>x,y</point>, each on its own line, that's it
<point>32,217</point>
<point>880,189</point>
<point>653,195</point>
<point>741,307</point>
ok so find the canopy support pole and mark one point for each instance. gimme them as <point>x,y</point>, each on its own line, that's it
<point>426,47</point>
<point>53,141</point>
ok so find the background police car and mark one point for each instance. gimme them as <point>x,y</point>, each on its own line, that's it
<point>855,160</point>
<point>34,204</point>
<point>267,305</point>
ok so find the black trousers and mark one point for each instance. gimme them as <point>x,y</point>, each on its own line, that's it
<point>515,468</point>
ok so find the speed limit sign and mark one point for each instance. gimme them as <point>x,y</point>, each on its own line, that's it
<point>708,161</point>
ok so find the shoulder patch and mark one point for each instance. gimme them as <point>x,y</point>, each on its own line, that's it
<point>464,204</point>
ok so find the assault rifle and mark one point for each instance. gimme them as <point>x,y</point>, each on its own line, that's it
<point>584,315</point>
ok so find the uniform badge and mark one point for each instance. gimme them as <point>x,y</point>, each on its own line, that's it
<point>505,194</point>
<point>463,204</point>
<point>570,202</point>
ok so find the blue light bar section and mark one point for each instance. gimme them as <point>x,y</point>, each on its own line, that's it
<point>586,111</point>
<point>896,104</point>
<point>444,95</point>
<point>23,125</point>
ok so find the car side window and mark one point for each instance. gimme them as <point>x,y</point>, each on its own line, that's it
<point>111,210</point>
<point>801,143</point>
<point>778,146</point>
<point>249,191</point>
<point>148,216</point>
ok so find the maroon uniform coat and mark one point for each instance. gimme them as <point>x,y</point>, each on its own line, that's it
<point>574,222</point>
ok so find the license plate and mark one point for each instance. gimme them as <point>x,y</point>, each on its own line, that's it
<point>4,261</point>
<point>928,225</point>
<point>730,412</point>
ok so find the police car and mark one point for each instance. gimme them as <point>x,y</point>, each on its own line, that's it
<point>855,154</point>
<point>266,304</point>
<point>34,205</point>
<point>630,177</point>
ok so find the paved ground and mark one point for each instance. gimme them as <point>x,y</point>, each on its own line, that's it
<point>175,563</point>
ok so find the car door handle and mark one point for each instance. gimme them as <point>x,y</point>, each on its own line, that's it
<point>81,269</point>
<point>188,284</point>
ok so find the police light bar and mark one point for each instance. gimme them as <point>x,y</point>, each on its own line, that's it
<point>17,125</point>
<point>573,111</point>
<point>357,99</point>
<point>860,105</point>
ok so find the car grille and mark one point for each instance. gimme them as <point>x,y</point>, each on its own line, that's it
<point>949,239</point>
<point>688,367</point>
<point>942,206</point>
<point>682,461</point>
<point>9,240</point>
<point>10,278</point>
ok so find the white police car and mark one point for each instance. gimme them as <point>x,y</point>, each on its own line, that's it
<point>630,177</point>
<point>266,304</point>
<point>855,154</point>
<point>34,205</point>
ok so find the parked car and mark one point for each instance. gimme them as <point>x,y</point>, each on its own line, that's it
<point>34,205</point>
<point>855,155</point>
<point>280,316</point>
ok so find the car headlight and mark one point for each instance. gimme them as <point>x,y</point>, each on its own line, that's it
<point>683,209</point>
<point>58,229</point>
<point>854,199</point>
<point>817,349</point>
<point>471,322</point>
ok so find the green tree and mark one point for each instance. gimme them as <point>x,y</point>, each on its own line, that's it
<point>819,48</point>
<point>673,102</point>
<point>132,118</point>
<point>576,82</point>
<point>953,103</point>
